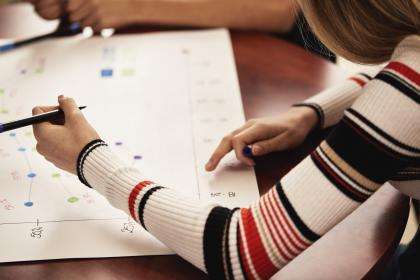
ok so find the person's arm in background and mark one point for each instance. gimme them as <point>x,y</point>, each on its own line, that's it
<point>378,136</point>
<point>267,15</point>
<point>288,130</point>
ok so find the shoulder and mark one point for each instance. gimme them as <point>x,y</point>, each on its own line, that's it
<point>408,52</point>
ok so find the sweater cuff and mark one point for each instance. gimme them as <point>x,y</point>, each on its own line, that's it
<point>99,168</point>
<point>82,157</point>
<point>330,104</point>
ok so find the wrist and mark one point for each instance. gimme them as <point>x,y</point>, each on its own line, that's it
<point>308,117</point>
<point>84,153</point>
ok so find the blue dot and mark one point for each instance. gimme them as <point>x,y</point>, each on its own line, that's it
<point>137,157</point>
<point>31,175</point>
<point>21,149</point>
<point>118,143</point>
<point>107,73</point>
<point>12,134</point>
<point>29,204</point>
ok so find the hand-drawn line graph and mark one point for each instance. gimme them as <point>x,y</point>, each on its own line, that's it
<point>31,175</point>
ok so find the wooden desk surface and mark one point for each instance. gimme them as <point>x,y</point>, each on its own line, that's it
<point>273,75</point>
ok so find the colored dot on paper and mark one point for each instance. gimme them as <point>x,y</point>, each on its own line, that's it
<point>128,72</point>
<point>73,199</point>
<point>28,204</point>
<point>31,175</point>
<point>1,92</point>
<point>118,143</point>
<point>23,71</point>
<point>28,133</point>
<point>12,134</point>
<point>56,175</point>
<point>137,157</point>
<point>105,73</point>
<point>21,149</point>
<point>4,111</point>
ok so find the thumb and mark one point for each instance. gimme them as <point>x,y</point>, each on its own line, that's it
<point>281,142</point>
<point>69,107</point>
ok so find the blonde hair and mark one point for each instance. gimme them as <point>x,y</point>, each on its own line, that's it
<point>364,31</point>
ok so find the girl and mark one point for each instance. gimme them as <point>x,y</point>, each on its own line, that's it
<point>376,139</point>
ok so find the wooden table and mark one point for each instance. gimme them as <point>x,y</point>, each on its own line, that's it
<point>273,75</point>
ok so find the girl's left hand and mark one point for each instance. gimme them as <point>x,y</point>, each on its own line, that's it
<point>61,144</point>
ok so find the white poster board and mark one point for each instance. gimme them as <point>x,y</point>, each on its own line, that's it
<point>161,100</point>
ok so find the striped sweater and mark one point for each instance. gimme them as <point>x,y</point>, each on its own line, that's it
<point>376,139</point>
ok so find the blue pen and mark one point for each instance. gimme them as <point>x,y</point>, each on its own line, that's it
<point>247,151</point>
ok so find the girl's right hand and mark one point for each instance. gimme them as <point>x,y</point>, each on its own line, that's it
<point>266,135</point>
<point>61,144</point>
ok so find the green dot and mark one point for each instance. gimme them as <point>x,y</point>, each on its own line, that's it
<point>56,175</point>
<point>128,72</point>
<point>4,111</point>
<point>73,199</point>
<point>1,91</point>
<point>39,71</point>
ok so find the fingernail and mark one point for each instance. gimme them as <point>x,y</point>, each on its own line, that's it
<point>257,150</point>
<point>60,97</point>
<point>209,166</point>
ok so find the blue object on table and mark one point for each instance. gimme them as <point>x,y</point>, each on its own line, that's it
<point>247,151</point>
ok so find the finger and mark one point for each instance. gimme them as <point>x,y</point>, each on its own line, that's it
<point>44,109</point>
<point>83,12</point>
<point>41,130</point>
<point>70,109</point>
<point>74,5</point>
<point>243,127</point>
<point>44,3</point>
<point>41,110</point>
<point>256,133</point>
<point>98,25</point>
<point>40,149</point>
<point>239,144</point>
<point>224,147</point>
<point>89,21</point>
<point>278,143</point>
<point>49,12</point>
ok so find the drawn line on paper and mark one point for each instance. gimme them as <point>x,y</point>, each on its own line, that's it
<point>61,221</point>
<point>72,198</point>
<point>186,52</point>
<point>31,174</point>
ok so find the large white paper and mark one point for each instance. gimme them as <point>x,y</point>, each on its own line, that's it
<point>161,100</point>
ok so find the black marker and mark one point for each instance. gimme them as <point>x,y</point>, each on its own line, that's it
<point>49,116</point>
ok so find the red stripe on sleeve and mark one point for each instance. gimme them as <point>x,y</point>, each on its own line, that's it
<point>405,71</point>
<point>275,203</point>
<point>259,257</point>
<point>245,264</point>
<point>360,82</point>
<point>299,244</point>
<point>133,196</point>
<point>271,218</point>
